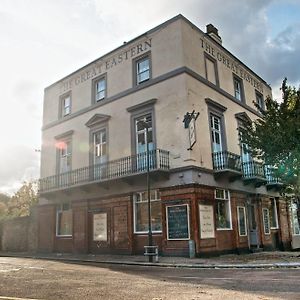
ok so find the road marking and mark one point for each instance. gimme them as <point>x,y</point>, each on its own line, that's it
<point>12,298</point>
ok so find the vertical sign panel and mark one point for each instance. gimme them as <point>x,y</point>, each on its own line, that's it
<point>266,219</point>
<point>100,227</point>
<point>178,227</point>
<point>207,224</point>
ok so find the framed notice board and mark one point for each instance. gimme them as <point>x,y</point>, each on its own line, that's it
<point>178,223</point>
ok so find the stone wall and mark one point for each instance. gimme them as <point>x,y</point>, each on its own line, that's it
<point>19,234</point>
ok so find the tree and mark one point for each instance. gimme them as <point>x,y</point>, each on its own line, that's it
<point>3,205</point>
<point>275,138</point>
<point>20,203</point>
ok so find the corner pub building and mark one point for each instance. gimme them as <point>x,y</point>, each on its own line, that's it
<point>193,95</point>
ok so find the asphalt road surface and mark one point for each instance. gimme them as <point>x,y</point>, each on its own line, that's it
<point>42,279</point>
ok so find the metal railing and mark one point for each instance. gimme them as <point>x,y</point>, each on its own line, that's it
<point>270,173</point>
<point>253,169</point>
<point>126,166</point>
<point>226,160</point>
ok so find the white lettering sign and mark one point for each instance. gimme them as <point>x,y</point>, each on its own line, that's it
<point>100,227</point>
<point>207,225</point>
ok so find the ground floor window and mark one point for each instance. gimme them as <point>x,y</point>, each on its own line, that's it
<point>242,220</point>
<point>295,220</point>
<point>64,220</point>
<point>223,209</point>
<point>141,212</point>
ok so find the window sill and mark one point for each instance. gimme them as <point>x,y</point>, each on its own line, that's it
<point>224,229</point>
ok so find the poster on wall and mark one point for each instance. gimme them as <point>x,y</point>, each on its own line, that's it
<point>207,225</point>
<point>266,219</point>
<point>178,227</point>
<point>100,227</point>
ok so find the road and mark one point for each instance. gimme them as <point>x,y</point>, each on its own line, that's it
<point>42,279</point>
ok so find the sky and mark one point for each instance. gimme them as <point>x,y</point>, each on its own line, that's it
<point>41,41</point>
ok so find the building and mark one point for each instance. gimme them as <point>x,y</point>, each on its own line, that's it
<point>192,95</point>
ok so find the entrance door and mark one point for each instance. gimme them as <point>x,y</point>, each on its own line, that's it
<point>253,230</point>
<point>141,142</point>
<point>100,153</point>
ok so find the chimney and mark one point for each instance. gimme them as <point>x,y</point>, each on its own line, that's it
<point>212,31</point>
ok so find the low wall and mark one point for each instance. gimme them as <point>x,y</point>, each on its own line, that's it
<point>19,234</point>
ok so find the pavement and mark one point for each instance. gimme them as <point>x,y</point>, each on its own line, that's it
<point>261,260</point>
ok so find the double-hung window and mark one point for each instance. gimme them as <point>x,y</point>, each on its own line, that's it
<point>143,70</point>
<point>141,212</point>
<point>223,209</point>
<point>65,156</point>
<point>260,100</point>
<point>100,89</point>
<point>64,220</point>
<point>65,105</point>
<point>238,89</point>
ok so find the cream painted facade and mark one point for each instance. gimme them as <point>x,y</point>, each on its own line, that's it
<point>181,58</point>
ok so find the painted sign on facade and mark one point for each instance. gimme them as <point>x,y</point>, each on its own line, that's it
<point>266,219</point>
<point>100,227</point>
<point>207,224</point>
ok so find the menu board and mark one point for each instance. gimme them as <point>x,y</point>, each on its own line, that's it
<point>207,225</point>
<point>178,222</point>
<point>266,219</point>
<point>100,227</point>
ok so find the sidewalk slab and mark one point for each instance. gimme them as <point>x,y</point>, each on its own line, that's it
<point>247,261</point>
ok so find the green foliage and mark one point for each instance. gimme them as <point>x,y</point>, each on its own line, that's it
<point>20,203</point>
<point>275,138</point>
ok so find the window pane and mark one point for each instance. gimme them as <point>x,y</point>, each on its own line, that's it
<point>223,214</point>
<point>237,89</point>
<point>143,70</point>
<point>64,222</point>
<point>141,211</point>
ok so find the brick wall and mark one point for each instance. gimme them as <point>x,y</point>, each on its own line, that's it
<point>19,234</point>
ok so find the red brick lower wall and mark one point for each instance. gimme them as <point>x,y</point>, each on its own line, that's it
<point>120,231</point>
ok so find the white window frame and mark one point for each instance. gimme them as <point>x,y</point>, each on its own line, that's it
<point>60,209</point>
<point>147,70</point>
<point>260,100</point>
<point>65,109</point>
<point>188,220</point>
<point>157,199</point>
<point>229,201</point>
<point>66,156</point>
<point>245,217</point>
<point>276,214</point>
<point>266,209</point>
<point>238,92</point>
<point>103,90</point>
